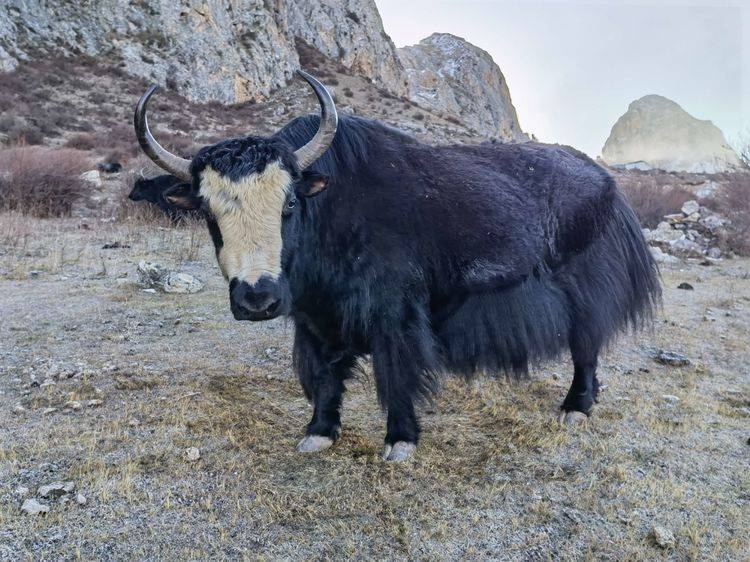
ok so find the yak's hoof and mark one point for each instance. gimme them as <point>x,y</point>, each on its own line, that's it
<point>314,443</point>
<point>572,418</point>
<point>399,451</point>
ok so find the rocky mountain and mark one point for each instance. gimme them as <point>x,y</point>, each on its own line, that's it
<point>224,50</point>
<point>446,73</point>
<point>656,132</point>
<point>238,50</point>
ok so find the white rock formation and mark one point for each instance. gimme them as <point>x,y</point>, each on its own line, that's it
<point>450,75</point>
<point>657,132</point>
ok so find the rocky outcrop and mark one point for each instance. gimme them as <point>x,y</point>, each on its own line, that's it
<point>694,232</point>
<point>225,50</point>
<point>447,74</point>
<point>657,132</point>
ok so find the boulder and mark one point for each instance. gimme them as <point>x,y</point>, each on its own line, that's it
<point>659,132</point>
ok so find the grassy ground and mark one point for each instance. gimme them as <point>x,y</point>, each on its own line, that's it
<point>494,477</point>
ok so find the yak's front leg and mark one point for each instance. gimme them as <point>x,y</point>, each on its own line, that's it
<point>322,373</point>
<point>404,362</point>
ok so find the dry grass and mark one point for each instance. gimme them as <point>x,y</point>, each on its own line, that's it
<point>41,181</point>
<point>733,201</point>
<point>651,196</point>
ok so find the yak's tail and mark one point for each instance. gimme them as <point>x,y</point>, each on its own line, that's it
<point>614,284</point>
<point>610,286</point>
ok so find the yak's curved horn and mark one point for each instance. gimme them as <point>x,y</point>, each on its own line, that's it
<point>329,119</point>
<point>173,164</point>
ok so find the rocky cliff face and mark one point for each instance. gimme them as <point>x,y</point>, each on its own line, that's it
<point>658,133</point>
<point>448,74</point>
<point>225,50</point>
<point>237,50</point>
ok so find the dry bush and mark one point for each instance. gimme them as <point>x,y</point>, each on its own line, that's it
<point>733,201</point>
<point>42,181</point>
<point>82,141</point>
<point>652,196</point>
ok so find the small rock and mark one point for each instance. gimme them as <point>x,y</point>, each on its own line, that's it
<point>56,489</point>
<point>94,402</point>
<point>73,405</point>
<point>671,358</point>
<point>18,409</point>
<point>22,491</point>
<point>81,499</point>
<point>690,207</point>
<point>663,536</point>
<point>670,398</point>
<point>92,176</point>
<point>662,257</point>
<point>192,454</point>
<point>47,411</point>
<point>685,286</point>
<point>33,507</point>
<point>714,253</point>
<point>182,283</point>
<point>686,248</point>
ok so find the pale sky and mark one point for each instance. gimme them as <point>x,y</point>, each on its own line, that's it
<point>573,67</point>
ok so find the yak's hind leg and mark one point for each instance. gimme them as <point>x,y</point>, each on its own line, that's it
<point>322,373</point>
<point>584,390</point>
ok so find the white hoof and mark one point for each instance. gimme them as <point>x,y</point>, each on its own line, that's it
<point>314,443</point>
<point>572,418</point>
<point>399,451</point>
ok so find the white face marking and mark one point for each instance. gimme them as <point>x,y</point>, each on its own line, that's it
<point>248,213</point>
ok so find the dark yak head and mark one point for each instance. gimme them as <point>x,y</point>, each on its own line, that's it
<point>250,190</point>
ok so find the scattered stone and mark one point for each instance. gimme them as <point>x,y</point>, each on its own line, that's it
<point>686,248</point>
<point>94,402</point>
<point>92,176</point>
<point>47,411</point>
<point>182,283</point>
<point>685,286</point>
<point>81,499</point>
<point>56,489</point>
<point>671,358</point>
<point>18,409</point>
<point>153,276</point>
<point>663,536</point>
<point>22,491</point>
<point>192,454</point>
<point>662,257</point>
<point>690,207</point>
<point>73,405</point>
<point>670,398</point>
<point>33,507</point>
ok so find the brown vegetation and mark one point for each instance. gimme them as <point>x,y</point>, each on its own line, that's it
<point>41,181</point>
<point>733,201</point>
<point>652,195</point>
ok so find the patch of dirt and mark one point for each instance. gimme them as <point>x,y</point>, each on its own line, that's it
<point>495,476</point>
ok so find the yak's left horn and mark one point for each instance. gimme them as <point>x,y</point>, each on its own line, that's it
<point>329,119</point>
<point>173,164</point>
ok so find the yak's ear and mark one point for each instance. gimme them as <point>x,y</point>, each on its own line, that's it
<point>311,184</point>
<point>182,196</point>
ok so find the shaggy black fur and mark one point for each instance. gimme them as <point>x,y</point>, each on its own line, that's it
<point>152,190</point>
<point>447,258</point>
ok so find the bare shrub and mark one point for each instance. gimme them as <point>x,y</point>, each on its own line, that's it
<point>22,135</point>
<point>41,181</point>
<point>82,141</point>
<point>652,197</point>
<point>733,201</point>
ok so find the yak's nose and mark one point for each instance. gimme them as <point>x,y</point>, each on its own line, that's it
<point>257,302</point>
<point>133,196</point>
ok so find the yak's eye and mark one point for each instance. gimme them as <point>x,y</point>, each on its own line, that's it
<point>290,205</point>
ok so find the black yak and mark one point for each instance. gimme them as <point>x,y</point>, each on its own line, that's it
<point>428,258</point>
<point>152,191</point>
